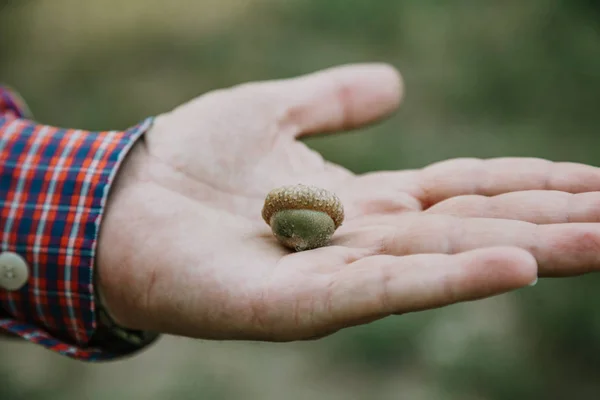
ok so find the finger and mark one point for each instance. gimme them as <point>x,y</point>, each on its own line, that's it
<point>371,200</point>
<point>560,249</point>
<point>539,207</point>
<point>500,175</point>
<point>338,98</point>
<point>377,286</point>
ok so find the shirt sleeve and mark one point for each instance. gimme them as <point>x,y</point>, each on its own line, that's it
<point>54,184</point>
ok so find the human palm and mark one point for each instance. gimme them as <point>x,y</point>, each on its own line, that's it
<point>184,250</point>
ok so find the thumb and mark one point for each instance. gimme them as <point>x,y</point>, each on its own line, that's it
<point>338,98</point>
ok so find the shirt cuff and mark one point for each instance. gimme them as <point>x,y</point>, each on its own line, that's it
<point>55,184</point>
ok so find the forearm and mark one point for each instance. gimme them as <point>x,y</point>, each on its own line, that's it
<point>55,183</point>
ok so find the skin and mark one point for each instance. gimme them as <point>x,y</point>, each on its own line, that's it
<point>183,249</point>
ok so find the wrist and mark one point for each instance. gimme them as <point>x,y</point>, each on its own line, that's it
<point>115,276</point>
<point>113,292</point>
<point>105,309</point>
<point>115,335</point>
<point>115,330</point>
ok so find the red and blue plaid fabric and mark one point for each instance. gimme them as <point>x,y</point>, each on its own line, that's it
<point>53,187</point>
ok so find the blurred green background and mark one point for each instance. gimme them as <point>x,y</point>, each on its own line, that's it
<point>483,79</point>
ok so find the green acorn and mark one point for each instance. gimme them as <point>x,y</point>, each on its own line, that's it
<point>303,217</point>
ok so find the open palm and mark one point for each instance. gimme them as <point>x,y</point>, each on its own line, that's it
<point>183,248</point>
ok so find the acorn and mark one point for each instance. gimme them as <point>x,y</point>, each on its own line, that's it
<point>303,217</point>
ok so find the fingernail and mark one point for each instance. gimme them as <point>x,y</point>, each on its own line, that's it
<point>534,282</point>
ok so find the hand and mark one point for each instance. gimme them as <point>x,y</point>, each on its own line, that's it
<point>183,249</point>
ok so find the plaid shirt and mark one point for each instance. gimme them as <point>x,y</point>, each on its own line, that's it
<point>53,188</point>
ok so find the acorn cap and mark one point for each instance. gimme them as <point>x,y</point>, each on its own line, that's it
<point>302,197</point>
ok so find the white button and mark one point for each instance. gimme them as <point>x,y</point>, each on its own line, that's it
<point>13,271</point>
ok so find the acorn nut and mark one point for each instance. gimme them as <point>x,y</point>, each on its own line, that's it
<point>303,217</point>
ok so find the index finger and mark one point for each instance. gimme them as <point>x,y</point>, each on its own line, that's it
<point>495,176</point>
